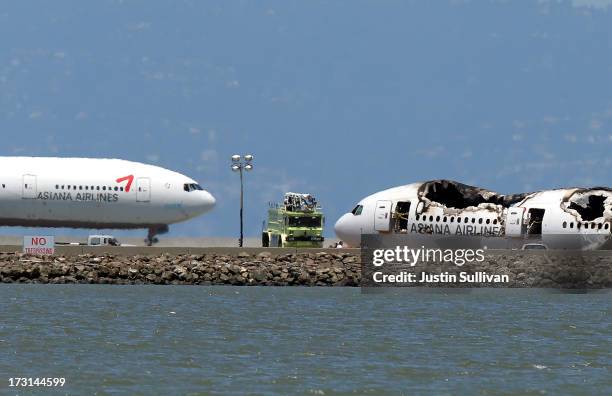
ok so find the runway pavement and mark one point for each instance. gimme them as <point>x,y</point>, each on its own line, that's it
<point>164,242</point>
<point>171,246</point>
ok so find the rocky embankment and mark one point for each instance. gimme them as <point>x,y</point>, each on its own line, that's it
<point>310,269</point>
<point>554,269</point>
<point>301,269</point>
<point>551,269</point>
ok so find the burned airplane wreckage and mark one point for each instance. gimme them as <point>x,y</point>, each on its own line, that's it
<point>448,208</point>
<point>461,196</point>
<point>478,211</point>
<point>589,204</point>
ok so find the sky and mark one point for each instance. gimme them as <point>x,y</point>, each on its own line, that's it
<point>336,98</point>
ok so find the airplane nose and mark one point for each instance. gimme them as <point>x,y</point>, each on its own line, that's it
<point>344,231</point>
<point>208,201</point>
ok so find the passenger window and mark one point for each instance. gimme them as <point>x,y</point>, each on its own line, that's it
<point>494,221</point>
<point>473,220</point>
<point>431,218</point>
<point>607,226</point>
<point>565,224</point>
<point>572,224</point>
<point>479,221</point>
<point>437,218</point>
<point>488,221</point>
<point>599,226</point>
<point>444,219</point>
<point>452,219</point>
<point>104,188</point>
<point>458,219</point>
<point>466,220</point>
<point>417,217</point>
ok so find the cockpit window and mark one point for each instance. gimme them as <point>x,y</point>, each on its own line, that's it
<point>357,211</point>
<point>189,187</point>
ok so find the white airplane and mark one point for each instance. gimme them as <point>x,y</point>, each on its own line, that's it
<point>446,207</point>
<point>96,193</point>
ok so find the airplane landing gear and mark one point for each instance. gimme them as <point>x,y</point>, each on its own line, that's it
<point>153,232</point>
<point>151,241</point>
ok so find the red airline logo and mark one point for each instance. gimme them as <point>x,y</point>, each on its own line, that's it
<point>130,180</point>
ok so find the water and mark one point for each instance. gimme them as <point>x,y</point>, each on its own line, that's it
<point>228,340</point>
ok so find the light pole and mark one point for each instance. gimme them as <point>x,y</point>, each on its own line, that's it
<point>237,166</point>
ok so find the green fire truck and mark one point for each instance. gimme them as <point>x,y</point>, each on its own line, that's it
<point>296,222</point>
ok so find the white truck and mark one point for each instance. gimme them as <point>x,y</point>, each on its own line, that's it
<point>95,240</point>
<point>102,240</point>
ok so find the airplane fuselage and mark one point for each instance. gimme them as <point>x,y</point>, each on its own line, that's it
<point>95,193</point>
<point>450,208</point>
